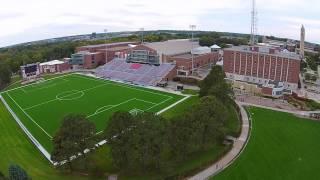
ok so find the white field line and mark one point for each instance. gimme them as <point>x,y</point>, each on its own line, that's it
<point>172,105</point>
<point>29,116</point>
<point>85,90</point>
<point>124,102</point>
<point>27,132</point>
<point>45,87</point>
<point>145,101</point>
<point>99,132</point>
<point>39,104</point>
<point>102,108</point>
<point>41,82</point>
<point>112,106</point>
<point>155,105</point>
<point>121,85</point>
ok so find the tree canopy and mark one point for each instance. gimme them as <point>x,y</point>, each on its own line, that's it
<point>150,142</point>
<point>74,136</point>
<point>215,84</point>
<point>5,74</point>
<point>17,173</point>
<point>210,39</point>
<point>136,141</point>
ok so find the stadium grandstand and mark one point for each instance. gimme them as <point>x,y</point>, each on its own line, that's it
<point>135,73</point>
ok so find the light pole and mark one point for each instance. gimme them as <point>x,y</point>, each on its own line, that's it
<point>192,27</point>
<point>106,31</point>
<point>142,35</point>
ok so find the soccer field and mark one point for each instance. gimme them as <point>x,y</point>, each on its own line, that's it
<point>42,106</point>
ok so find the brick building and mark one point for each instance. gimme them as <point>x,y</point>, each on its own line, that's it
<point>94,55</point>
<point>87,60</point>
<point>178,52</point>
<point>184,61</point>
<point>54,66</point>
<point>261,64</point>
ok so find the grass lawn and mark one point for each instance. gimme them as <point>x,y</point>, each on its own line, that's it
<point>190,91</point>
<point>41,106</point>
<point>181,108</point>
<point>16,148</point>
<point>281,147</point>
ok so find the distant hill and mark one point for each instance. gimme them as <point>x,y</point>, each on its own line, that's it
<point>102,36</point>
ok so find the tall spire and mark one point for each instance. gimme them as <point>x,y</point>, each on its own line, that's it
<point>254,19</point>
<point>302,40</point>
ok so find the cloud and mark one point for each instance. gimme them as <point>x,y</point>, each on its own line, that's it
<point>19,19</point>
<point>301,20</point>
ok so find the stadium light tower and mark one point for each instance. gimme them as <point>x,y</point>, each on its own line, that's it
<point>254,27</point>
<point>192,27</point>
<point>106,31</point>
<point>142,35</point>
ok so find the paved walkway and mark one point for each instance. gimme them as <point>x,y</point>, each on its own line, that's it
<point>305,114</point>
<point>232,155</point>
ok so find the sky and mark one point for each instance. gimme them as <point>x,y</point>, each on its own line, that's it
<point>30,20</point>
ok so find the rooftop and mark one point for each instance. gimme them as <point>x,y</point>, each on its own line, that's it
<point>108,44</point>
<point>50,63</point>
<point>118,48</point>
<point>274,84</point>
<point>173,47</point>
<point>86,53</point>
<point>215,47</point>
<point>187,56</point>
<point>265,50</point>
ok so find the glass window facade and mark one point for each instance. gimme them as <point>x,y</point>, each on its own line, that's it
<point>143,56</point>
<point>76,59</point>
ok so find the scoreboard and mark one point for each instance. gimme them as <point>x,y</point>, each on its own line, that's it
<point>30,71</point>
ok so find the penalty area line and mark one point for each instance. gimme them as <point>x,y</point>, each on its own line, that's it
<point>29,116</point>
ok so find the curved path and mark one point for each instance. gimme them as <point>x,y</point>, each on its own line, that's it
<point>305,114</point>
<point>238,146</point>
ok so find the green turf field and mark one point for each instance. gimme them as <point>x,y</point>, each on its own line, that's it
<point>281,147</point>
<point>42,106</point>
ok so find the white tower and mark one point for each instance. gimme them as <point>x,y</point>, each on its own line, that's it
<point>302,39</point>
<point>254,19</point>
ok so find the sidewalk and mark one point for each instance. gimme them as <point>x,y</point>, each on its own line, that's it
<point>232,155</point>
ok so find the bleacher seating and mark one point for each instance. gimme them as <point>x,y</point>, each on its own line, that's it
<point>142,74</point>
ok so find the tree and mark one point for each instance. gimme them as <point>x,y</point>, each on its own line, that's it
<point>307,77</point>
<point>199,129</point>
<point>182,138</point>
<point>148,141</point>
<point>17,173</point>
<point>5,74</point>
<point>215,84</point>
<point>2,177</point>
<point>117,134</point>
<point>211,115</point>
<point>74,136</point>
<point>137,143</point>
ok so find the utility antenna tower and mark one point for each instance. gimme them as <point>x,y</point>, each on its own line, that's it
<point>142,35</point>
<point>254,21</point>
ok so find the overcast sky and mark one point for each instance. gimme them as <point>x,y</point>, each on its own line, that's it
<point>29,20</point>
